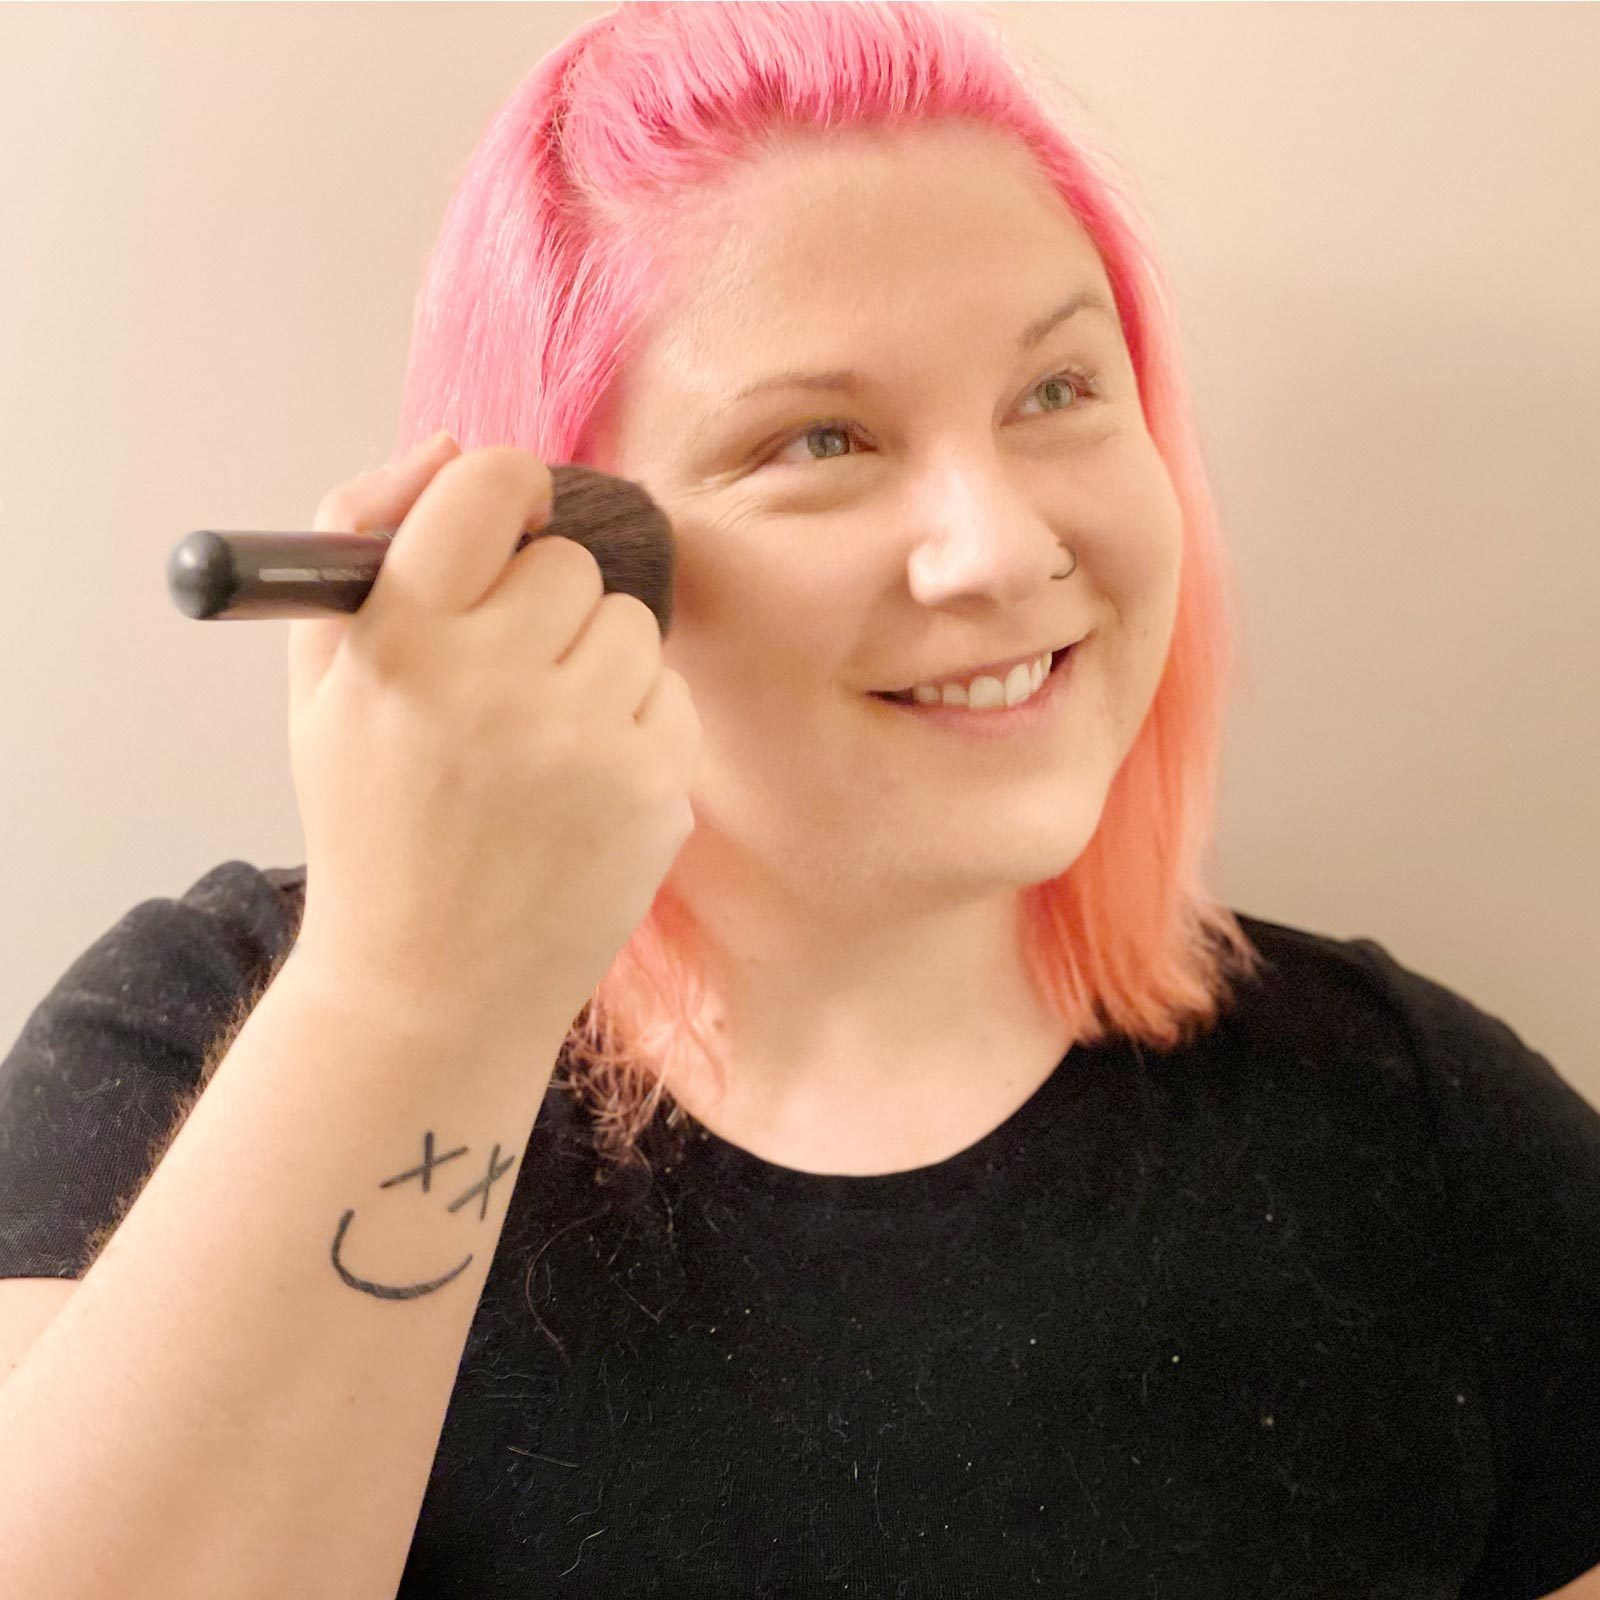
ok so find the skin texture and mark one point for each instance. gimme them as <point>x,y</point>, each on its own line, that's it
<point>857,871</point>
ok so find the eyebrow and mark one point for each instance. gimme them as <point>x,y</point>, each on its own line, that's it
<point>848,381</point>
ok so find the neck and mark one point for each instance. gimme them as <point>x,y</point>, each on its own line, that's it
<point>862,1037</point>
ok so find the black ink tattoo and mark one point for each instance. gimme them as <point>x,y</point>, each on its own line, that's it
<point>387,1291</point>
<point>429,1162</point>
<point>383,1291</point>
<point>483,1185</point>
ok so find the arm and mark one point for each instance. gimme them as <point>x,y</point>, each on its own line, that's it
<point>246,1392</point>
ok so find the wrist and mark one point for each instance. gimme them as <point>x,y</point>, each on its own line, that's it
<point>462,1004</point>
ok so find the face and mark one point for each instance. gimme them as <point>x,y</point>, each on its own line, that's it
<point>833,541</point>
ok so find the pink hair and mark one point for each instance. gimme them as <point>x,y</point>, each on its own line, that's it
<point>543,271</point>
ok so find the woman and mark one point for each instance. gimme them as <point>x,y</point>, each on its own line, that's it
<point>953,1198</point>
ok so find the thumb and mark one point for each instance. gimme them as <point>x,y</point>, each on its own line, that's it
<point>313,643</point>
<point>374,501</point>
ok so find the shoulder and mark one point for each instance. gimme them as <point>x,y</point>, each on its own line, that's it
<point>218,933</point>
<point>1515,1144</point>
<point>1334,986</point>
<point>1326,980</point>
<point>1323,995</point>
<point>1345,1020</point>
<point>178,965</point>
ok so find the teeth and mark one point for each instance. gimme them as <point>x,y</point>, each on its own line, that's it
<point>1021,682</point>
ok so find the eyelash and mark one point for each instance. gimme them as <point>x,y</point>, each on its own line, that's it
<point>1085,380</point>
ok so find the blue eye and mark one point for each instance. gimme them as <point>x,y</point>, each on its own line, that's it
<point>1083,381</point>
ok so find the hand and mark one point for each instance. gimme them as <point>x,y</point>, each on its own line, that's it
<point>492,762</point>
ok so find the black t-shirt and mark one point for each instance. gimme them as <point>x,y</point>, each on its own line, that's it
<point>1307,1308</point>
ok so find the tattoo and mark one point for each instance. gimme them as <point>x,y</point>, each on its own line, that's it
<point>497,1169</point>
<point>429,1162</point>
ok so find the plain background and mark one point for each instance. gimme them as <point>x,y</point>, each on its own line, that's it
<point>1382,226</point>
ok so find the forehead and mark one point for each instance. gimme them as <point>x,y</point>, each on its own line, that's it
<point>849,249</point>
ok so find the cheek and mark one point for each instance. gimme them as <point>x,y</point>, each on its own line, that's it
<point>760,627</point>
<point>756,670</point>
<point>1136,522</point>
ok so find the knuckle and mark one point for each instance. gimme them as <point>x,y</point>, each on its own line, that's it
<point>639,616</point>
<point>514,469</point>
<point>682,819</point>
<point>574,562</point>
<point>336,511</point>
<point>663,787</point>
<point>680,719</point>
<point>679,687</point>
<point>575,551</point>
<point>689,716</point>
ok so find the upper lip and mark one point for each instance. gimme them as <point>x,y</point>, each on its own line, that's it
<point>994,669</point>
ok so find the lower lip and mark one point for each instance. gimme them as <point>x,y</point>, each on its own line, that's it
<point>1032,716</point>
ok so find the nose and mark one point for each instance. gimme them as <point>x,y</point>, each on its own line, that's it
<point>980,536</point>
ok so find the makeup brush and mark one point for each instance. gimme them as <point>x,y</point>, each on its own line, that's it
<point>222,576</point>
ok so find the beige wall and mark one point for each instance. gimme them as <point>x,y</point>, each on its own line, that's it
<point>1381,222</point>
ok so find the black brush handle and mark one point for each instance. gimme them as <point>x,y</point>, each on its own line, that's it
<point>220,576</point>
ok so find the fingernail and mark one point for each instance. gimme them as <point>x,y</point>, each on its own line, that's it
<point>439,440</point>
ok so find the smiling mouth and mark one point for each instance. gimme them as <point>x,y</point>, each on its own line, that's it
<point>905,697</point>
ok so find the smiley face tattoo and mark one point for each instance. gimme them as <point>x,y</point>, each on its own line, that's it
<point>384,1291</point>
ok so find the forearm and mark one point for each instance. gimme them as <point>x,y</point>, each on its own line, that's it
<point>245,1394</point>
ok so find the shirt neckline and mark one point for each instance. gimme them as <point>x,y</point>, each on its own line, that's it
<point>706,1156</point>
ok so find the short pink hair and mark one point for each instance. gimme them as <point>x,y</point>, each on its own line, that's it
<point>544,270</point>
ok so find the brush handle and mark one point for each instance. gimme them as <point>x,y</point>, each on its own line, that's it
<point>226,576</point>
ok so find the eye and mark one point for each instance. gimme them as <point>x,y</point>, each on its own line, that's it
<point>1078,379</point>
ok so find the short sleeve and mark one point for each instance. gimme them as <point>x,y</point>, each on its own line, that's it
<point>1519,1156</point>
<point>110,1060</point>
